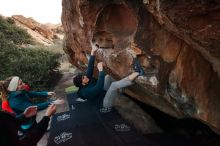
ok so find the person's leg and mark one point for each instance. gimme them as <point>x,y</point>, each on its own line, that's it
<point>108,82</point>
<point>27,125</point>
<point>35,133</point>
<point>113,89</point>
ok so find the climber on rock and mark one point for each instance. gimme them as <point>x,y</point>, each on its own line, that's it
<point>105,86</point>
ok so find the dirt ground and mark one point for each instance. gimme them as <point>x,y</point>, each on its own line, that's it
<point>65,81</point>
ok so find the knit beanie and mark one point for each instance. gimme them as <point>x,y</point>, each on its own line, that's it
<point>77,80</point>
<point>13,84</point>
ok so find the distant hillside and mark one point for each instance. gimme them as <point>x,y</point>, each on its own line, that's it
<point>44,34</point>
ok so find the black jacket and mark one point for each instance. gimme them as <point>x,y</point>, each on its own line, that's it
<point>9,126</point>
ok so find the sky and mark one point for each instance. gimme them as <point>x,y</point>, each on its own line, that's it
<point>43,11</point>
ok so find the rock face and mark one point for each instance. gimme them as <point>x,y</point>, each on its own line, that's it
<point>179,43</point>
<point>43,34</point>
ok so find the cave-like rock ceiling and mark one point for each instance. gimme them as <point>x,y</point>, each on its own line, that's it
<point>178,42</point>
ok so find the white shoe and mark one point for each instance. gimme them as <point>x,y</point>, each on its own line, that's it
<point>81,100</point>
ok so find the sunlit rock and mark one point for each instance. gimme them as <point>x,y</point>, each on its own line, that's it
<point>41,33</point>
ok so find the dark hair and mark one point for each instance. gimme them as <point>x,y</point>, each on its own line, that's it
<point>9,128</point>
<point>7,81</point>
<point>77,80</point>
<point>2,87</point>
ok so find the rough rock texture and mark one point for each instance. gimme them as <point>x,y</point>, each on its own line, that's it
<point>42,33</point>
<point>179,43</point>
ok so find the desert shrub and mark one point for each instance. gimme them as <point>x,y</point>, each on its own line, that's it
<point>38,67</point>
<point>10,20</point>
<point>13,33</point>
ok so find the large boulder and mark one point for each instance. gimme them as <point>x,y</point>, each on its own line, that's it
<point>179,43</point>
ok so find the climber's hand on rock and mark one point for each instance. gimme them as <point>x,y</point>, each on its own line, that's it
<point>100,66</point>
<point>94,48</point>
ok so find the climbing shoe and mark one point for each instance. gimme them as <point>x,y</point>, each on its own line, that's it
<point>141,72</point>
<point>137,67</point>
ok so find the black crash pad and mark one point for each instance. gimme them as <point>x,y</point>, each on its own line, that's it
<point>86,124</point>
